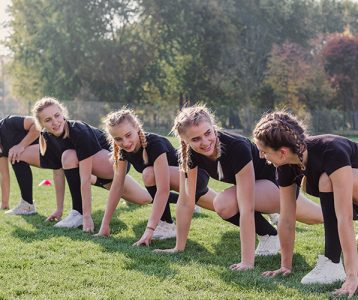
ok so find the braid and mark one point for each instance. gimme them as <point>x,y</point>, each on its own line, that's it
<point>144,144</point>
<point>184,154</point>
<point>280,129</point>
<point>42,144</point>
<point>115,154</point>
<point>300,145</point>
<point>218,155</point>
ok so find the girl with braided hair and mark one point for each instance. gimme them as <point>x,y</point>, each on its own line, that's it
<point>19,146</point>
<point>154,157</point>
<point>330,166</point>
<point>235,160</point>
<point>82,151</point>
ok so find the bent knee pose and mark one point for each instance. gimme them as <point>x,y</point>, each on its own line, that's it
<point>19,146</point>
<point>330,164</point>
<point>82,150</point>
<point>154,157</point>
<point>232,159</point>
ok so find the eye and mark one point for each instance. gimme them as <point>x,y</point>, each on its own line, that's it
<point>208,133</point>
<point>118,139</point>
<point>195,139</point>
<point>128,135</point>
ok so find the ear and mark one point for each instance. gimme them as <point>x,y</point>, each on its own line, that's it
<point>283,151</point>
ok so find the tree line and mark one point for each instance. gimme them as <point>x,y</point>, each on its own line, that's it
<point>230,54</point>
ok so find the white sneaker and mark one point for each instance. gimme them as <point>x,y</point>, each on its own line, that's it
<point>164,231</point>
<point>325,272</point>
<point>197,209</point>
<point>23,208</point>
<point>268,245</point>
<point>73,220</point>
<point>274,218</point>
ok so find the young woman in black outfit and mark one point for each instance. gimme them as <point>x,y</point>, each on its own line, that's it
<point>154,157</point>
<point>81,150</point>
<point>330,166</point>
<point>19,146</point>
<point>232,159</point>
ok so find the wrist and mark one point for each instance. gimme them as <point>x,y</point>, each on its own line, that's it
<point>150,228</point>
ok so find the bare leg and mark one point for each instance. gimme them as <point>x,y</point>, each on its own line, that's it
<point>307,211</point>
<point>31,155</point>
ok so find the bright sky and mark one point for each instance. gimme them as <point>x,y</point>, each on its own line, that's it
<point>3,18</point>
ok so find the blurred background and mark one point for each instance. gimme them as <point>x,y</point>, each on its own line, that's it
<point>241,58</point>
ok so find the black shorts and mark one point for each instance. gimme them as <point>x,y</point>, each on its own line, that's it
<point>355,212</point>
<point>101,182</point>
<point>201,184</point>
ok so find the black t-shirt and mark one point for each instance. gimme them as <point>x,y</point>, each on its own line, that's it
<point>156,145</point>
<point>236,152</point>
<point>85,139</point>
<point>12,132</point>
<point>326,154</point>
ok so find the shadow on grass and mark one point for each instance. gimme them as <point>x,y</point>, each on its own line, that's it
<point>253,279</point>
<point>143,259</point>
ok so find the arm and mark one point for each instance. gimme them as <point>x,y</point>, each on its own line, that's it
<point>245,192</point>
<point>162,182</point>
<point>286,229</point>
<point>4,182</point>
<point>31,136</point>
<point>342,181</point>
<point>85,175</point>
<point>184,210</point>
<point>59,180</point>
<point>113,197</point>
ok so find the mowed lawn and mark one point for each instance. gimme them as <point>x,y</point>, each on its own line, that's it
<point>38,261</point>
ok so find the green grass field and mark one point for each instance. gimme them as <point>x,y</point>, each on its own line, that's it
<point>38,261</point>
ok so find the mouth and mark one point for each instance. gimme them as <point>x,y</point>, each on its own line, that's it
<point>207,148</point>
<point>128,148</point>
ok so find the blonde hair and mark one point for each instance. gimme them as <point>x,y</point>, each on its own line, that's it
<point>193,116</point>
<point>282,129</point>
<point>116,118</point>
<point>38,107</point>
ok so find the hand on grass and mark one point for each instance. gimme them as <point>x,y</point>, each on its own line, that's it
<point>103,231</point>
<point>168,251</point>
<point>145,239</point>
<point>281,271</point>
<point>88,225</point>
<point>348,287</point>
<point>55,216</point>
<point>241,266</point>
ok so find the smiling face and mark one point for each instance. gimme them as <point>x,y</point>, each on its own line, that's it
<point>126,136</point>
<point>201,138</point>
<point>52,119</point>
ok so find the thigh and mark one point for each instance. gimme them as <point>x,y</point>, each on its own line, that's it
<point>267,196</point>
<point>207,200</point>
<point>31,155</point>
<point>134,192</point>
<point>102,165</point>
<point>225,202</point>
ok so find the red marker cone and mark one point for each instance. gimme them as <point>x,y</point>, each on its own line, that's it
<point>45,182</point>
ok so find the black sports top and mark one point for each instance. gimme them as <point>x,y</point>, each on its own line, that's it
<point>236,152</point>
<point>12,132</point>
<point>326,154</point>
<point>156,145</point>
<point>85,139</point>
